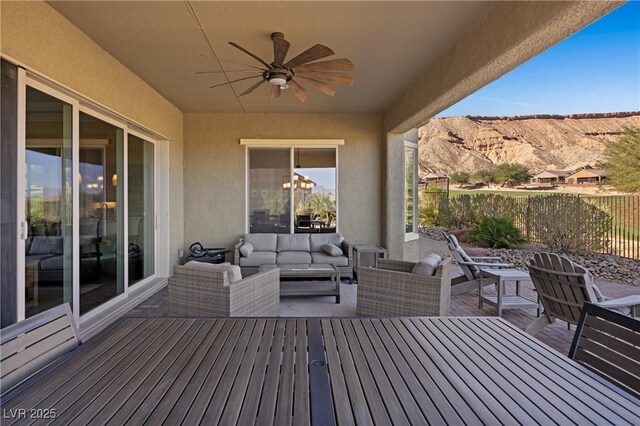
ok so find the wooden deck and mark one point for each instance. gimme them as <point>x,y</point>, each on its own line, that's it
<point>318,371</point>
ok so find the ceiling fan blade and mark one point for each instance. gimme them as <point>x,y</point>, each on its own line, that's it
<point>257,58</point>
<point>252,88</point>
<point>323,87</point>
<point>233,62</point>
<point>334,77</point>
<point>311,54</point>
<point>233,81</point>
<point>220,72</point>
<point>298,90</point>
<point>342,64</point>
<point>280,49</point>
<point>275,92</point>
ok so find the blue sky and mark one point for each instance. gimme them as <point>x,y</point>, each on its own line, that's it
<point>595,70</point>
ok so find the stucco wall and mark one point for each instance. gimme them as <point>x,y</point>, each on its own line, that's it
<point>42,40</point>
<point>215,170</point>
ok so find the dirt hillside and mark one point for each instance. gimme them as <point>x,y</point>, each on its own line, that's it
<point>538,142</point>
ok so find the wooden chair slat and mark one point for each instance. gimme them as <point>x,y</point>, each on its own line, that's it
<point>614,363</point>
<point>32,344</point>
<point>619,345</point>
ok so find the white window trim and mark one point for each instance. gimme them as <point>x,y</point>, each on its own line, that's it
<point>413,234</point>
<point>291,144</point>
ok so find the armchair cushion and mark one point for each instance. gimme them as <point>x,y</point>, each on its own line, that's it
<point>233,271</point>
<point>246,249</point>
<point>332,250</point>
<point>428,265</point>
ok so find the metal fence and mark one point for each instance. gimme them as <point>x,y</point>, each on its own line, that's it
<point>605,224</point>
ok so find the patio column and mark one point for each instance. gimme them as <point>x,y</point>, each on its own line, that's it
<point>394,197</point>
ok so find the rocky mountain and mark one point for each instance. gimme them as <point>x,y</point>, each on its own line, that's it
<point>538,142</point>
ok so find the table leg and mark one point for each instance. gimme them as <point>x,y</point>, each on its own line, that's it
<point>517,288</point>
<point>337,278</point>
<point>480,292</point>
<point>500,294</point>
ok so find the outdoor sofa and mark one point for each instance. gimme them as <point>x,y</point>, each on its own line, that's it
<point>255,250</point>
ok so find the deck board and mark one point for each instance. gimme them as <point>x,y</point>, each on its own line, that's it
<point>272,372</point>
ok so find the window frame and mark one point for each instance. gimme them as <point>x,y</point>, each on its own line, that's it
<point>292,145</point>
<point>413,234</point>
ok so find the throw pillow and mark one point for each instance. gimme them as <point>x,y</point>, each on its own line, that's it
<point>332,250</point>
<point>428,265</point>
<point>246,249</point>
<point>465,258</point>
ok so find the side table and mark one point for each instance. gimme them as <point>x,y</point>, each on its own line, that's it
<point>501,300</point>
<point>358,250</point>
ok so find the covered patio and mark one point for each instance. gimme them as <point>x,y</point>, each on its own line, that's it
<point>158,149</point>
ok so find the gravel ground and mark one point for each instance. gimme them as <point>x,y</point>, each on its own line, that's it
<point>603,266</point>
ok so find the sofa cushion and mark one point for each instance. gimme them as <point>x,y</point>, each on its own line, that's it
<point>46,245</point>
<point>52,262</point>
<point>293,257</point>
<point>233,271</point>
<point>246,249</point>
<point>322,257</point>
<point>293,242</point>
<point>258,258</point>
<point>428,265</point>
<point>262,242</point>
<point>332,250</point>
<point>318,240</point>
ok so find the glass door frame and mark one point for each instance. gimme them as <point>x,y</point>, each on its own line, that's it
<point>292,145</point>
<point>23,81</point>
<point>26,79</point>
<point>156,164</point>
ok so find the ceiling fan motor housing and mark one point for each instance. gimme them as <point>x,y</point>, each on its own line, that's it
<point>278,76</point>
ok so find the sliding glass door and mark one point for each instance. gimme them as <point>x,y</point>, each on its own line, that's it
<point>88,197</point>
<point>269,196</point>
<point>101,212</point>
<point>48,186</point>
<point>141,157</point>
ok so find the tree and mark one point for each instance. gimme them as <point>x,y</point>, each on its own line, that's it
<point>321,205</point>
<point>485,175</point>
<point>459,178</point>
<point>511,174</point>
<point>623,161</point>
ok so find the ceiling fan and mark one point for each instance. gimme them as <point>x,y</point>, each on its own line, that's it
<point>298,71</point>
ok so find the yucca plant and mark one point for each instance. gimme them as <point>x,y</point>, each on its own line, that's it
<point>496,232</point>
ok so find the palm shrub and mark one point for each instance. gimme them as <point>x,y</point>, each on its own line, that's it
<point>496,232</point>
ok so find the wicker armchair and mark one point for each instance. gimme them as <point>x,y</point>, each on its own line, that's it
<point>392,290</point>
<point>201,293</point>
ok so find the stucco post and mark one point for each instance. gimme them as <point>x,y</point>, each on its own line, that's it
<point>394,208</point>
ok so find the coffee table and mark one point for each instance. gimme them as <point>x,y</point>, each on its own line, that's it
<point>501,300</point>
<point>308,280</point>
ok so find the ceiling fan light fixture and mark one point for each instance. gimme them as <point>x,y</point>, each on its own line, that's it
<point>277,81</point>
<point>284,86</point>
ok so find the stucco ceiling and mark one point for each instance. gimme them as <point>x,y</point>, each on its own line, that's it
<point>392,44</point>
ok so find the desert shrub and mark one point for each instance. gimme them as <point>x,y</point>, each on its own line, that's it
<point>430,201</point>
<point>466,210</point>
<point>496,232</point>
<point>567,223</point>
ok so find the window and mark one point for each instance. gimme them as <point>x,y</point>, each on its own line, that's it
<point>292,189</point>
<point>411,188</point>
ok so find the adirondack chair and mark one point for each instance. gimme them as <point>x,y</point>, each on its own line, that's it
<point>470,278</point>
<point>608,344</point>
<point>564,287</point>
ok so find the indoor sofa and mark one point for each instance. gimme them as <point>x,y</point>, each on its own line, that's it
<point>255,250</point>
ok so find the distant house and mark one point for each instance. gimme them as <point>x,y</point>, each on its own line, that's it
<point>593,176</point>
<point>439,179</point>
<point>550,176</point>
